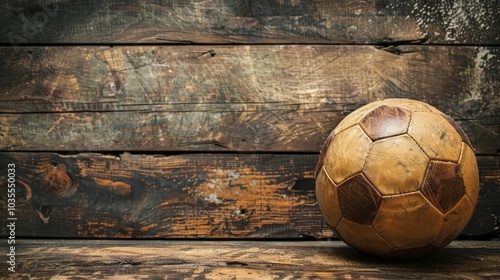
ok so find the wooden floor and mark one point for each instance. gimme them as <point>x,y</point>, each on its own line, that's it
<point>127,259</point>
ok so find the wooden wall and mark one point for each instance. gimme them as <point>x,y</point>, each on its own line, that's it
<point>204,119</point>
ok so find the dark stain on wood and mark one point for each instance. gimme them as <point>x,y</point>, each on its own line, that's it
<point>190,196</point>
<point>176,196</point>
<point>304,185</point>
<point>57,183</point>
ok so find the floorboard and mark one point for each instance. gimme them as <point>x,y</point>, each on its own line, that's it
<point>90,259</point>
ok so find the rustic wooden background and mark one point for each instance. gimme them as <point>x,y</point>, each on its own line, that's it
<point>204,119</point>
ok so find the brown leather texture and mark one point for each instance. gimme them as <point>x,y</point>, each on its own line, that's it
<point>397,178</point>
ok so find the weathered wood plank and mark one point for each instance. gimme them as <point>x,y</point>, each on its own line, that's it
<point>180,78</point>
<point>39,259</point>
<point>179,196</point>
<point>184,196</point>
<point>295,130</point>
<point>240,98</point>
<point>230,21</point>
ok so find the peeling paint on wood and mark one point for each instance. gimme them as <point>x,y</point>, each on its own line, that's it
<point>449,22</point>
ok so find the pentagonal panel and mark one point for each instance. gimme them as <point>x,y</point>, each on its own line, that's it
<point>396,165</point>
<point>470,173</point>
<point>353,118</point>
<point>347,154</point>
<point>363,238</point>
<point>443,185</point>
<point>454,222</point>
<point>407,220</point>
<point>358,199</point>
<point>458,129</point>
<point>435,135</point>
<point>411,105</point>
<point>385,121</point>
<point>326,194</point>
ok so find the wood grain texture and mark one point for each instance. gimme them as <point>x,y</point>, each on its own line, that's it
<point>238,98</point>
<point>66,259</point>
<point>185,196</point>
<point>239,21</point>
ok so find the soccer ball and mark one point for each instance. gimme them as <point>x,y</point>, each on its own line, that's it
<point>397,178</point>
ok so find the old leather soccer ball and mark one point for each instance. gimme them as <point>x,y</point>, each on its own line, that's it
<point>397,178</point>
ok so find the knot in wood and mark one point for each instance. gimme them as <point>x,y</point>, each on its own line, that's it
<point>57,182</point>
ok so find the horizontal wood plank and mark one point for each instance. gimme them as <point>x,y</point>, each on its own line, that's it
<point>237,98</point>
<point>294,130</point>
<point>239,21</point>
<point>43,259</point>
<point>184,196</point>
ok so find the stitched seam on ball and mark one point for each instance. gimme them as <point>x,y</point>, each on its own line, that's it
<point>366,159</point>
<point>462,150</point>
<point>420,189</point>
<point>438,229</point>
<point>429,157</point>
<point>409,123</point>
<point>328,176</point>
<point>435,208</point>
<point>378,234</point>
<point>420,147</point>
<point>443,115</point>
<point>401,194</point>
<point>335,134</point>
<point>470,200</point>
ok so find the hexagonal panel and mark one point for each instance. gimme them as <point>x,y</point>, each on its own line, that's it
<point>407,220</point>
<point>358,199</point>
<point>348,153</point>
<point>326,194</point>
<point>458,129</point>
<point>470,172</point>
<point>436,136</point>
<point>454,222</point>
<point>385,121</point>
<point>396,165</point>
<point>363,238</point>
<point>353,118</point>
<point>443,185</point>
